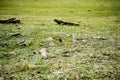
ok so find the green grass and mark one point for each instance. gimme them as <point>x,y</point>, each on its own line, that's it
<point>93,60</point>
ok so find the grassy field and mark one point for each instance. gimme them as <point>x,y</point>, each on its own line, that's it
<point>95,56</point>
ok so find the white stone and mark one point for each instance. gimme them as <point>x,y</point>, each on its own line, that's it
<point>49,38</point>
<point>1,78</point>
<point>43,52</point>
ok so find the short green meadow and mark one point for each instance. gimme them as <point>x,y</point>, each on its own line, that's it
<point>90,51</point>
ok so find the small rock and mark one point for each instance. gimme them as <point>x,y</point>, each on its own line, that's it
<point>57,72</point>
<point>68,35</point>
<point>83,40</point>
<point>43,53</point>
<point>49,38</point>
<point>103,38</point>
<point>78,39</point>
<point>100,38</point>
<point>14,34</point>
<point>74,37</point>
<point>10,20</point>
<point>5,44</point>
<point>31,65</point>
<point>66,54</point>
<point>23,43</point>
<point>51,44</point>
<point>1,78</point>
<point>13,53</point>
